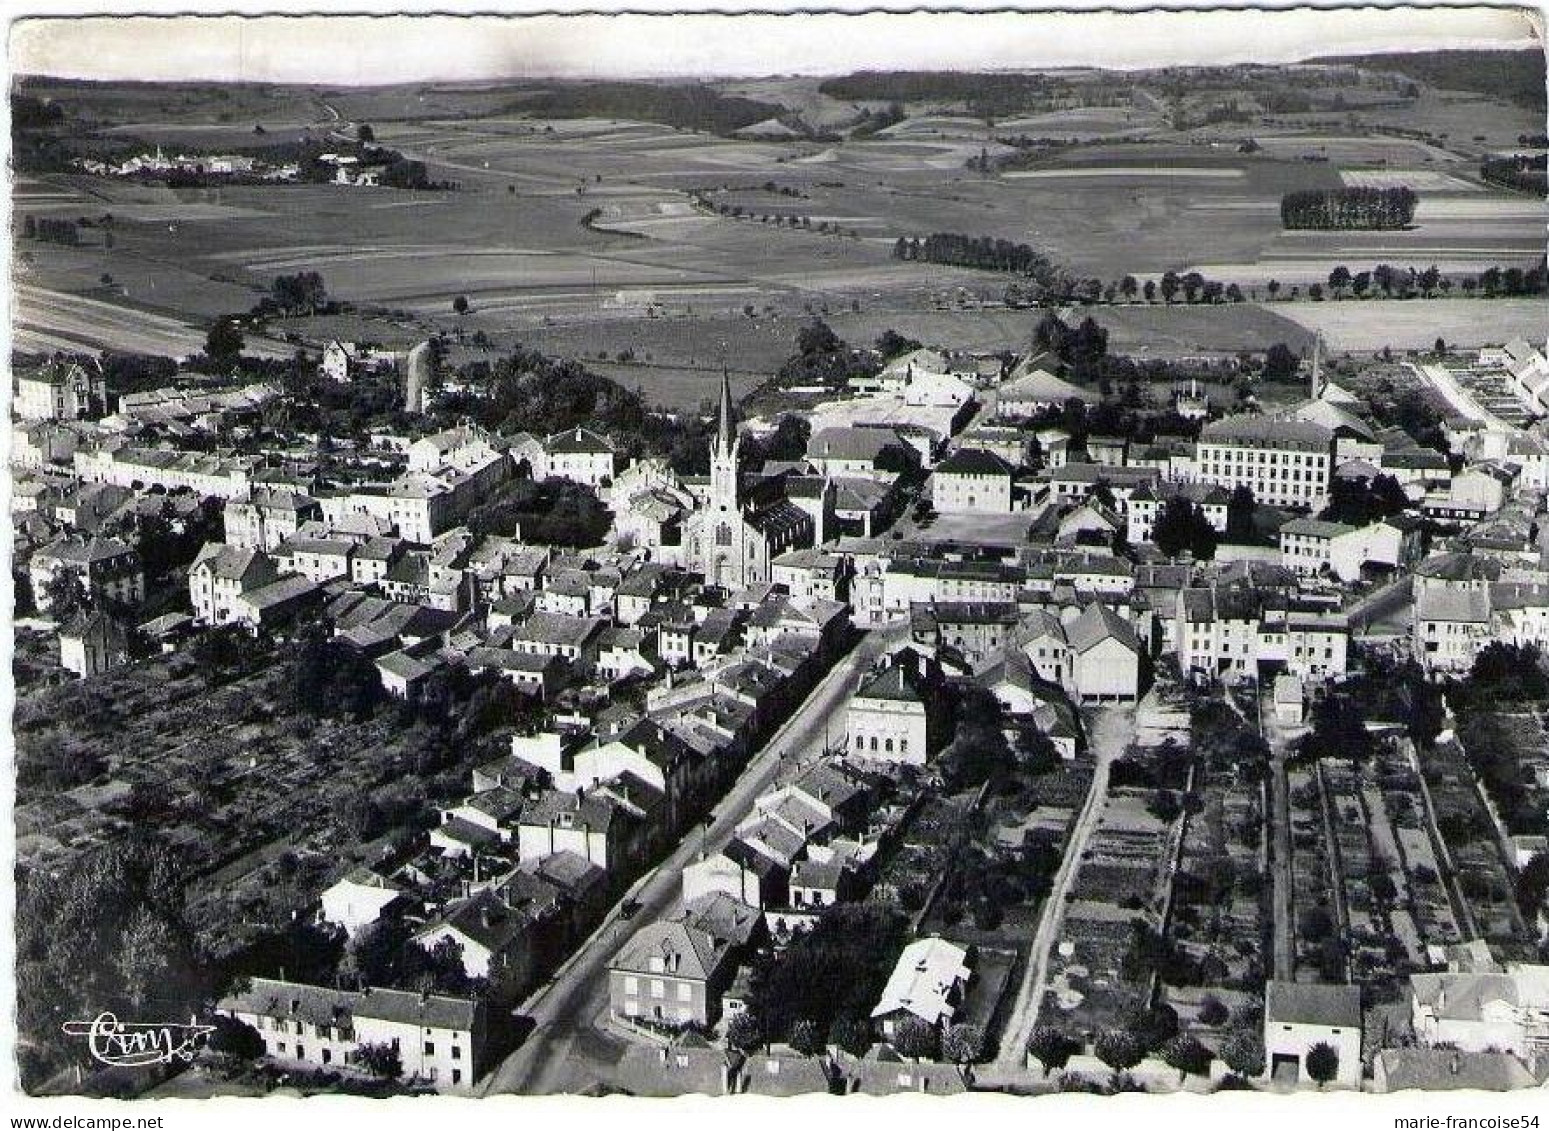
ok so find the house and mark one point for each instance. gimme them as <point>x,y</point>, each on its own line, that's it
<point>358,899</point>
<point>1488,1010</point>
<point>671,973</point>
<point>92,643</point>
<point>859,452</point>
<point>973,481</point>
<point>1300,1015</point>
<point>439,1039</point>
<point>220,575</point>
<point>61,390</point>
<point>1106,656</point>
<point>890,718</point>
<point>1030,389</point>
<point>582,456</point>
<point>105,568</point>
<point>928,982</point>
<point>1446,1070</point>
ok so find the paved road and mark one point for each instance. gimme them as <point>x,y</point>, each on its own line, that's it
<point>568,1052</point>
<point>1113,728</point>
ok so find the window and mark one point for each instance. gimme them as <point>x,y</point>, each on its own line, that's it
<point>281,1046</point>
<point>457,1075</point>
<point>457,1052</point>
<point>430,1048</point>
<point>685,992</point>
<point>328,1056</point>
<point>631,984</point>
<point>658,988</point>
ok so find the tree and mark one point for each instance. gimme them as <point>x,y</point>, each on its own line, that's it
<point>236,1039</point>
<point>963,1044</point>
<point>365,133</point>
<point>1183,526</point>
<point>1273,287</point>
<point>64,595</point>
<point>1050,1047</point>
<point>916,1039</point>
<point>380,1059</point>
<point>1119,1050</point>
<point>1186,1054</point>
<point>1243,1052</point>
<point>1212,1012</point>
<point>807,1038</point>
<point>853,1034</point>
<point>1322,1063</point>
<point>224,343</point>
<point>460,304</point>
<point>744,1033</point>
<point>1280,364</point>
<point>1240,511</point>
<point>1338,279</point>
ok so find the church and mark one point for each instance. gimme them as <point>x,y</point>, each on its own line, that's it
<point>739,527</point>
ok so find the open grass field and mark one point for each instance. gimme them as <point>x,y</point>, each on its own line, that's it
<point>1361,326</point>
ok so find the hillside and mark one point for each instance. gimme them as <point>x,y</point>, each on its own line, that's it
<point>1514,75</point>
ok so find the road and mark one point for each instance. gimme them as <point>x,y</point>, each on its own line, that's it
<point>1112,730</point>
<point>567,1051</point>
<point>1279,817</point>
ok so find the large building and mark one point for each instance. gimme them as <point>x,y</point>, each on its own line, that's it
<point>59,391</point>
<point>972,481</point>
<point>732,540</point>
<point>1284,462</point>
<point>439,1039</point>
<point>894,716</point>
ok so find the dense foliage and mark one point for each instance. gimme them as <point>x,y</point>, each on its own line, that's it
<point>1364,209</point>
<point>836,970</point>
<point>686,106</point>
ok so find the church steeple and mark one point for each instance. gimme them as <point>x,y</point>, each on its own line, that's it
<point>725,488</point>
<point>726,434</point>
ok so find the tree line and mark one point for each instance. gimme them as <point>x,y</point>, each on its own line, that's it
<point>1520,172</point>
<point>1363,209</point>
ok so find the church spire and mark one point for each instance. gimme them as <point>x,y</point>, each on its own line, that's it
<point>726,434</point>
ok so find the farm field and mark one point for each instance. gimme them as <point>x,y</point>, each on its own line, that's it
<point>513,239</point>
<point>1171,331</point>
<point>1363,326</point>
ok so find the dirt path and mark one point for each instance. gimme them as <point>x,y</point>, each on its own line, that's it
<point>1112,731</point>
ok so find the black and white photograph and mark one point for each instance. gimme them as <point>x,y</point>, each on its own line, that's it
<point>835,553</point>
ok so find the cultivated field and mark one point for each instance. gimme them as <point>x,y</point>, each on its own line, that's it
<point>566,231</point>
<point>1415,324</point>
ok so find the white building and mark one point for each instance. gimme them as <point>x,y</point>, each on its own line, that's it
<point>439,1039</point>
<point>1504,1010</point>
<point>972,481</point>
<point>928,983</point>
<point>888,719</point>
<point>1299,1016</point>
<point>1285,462</point>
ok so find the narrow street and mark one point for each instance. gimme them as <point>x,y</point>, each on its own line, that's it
<point>1112,730</point>
<point>567,1051</point>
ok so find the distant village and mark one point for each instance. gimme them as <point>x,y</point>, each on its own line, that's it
<point>1093,757</point>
